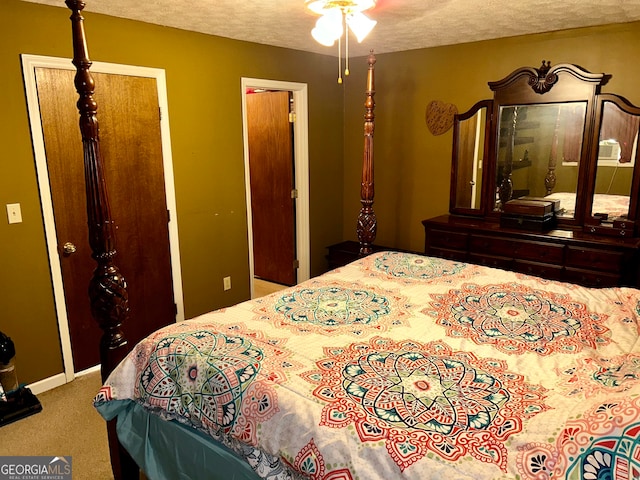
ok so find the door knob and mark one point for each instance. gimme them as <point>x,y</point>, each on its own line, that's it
<point>68,248</point>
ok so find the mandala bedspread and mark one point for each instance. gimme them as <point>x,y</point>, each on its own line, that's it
<point>405,364</point>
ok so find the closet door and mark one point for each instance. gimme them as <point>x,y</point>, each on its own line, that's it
<point>130,141</point>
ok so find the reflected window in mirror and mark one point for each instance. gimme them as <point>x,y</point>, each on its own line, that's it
<point>617,153</point>
<point>539,151</point>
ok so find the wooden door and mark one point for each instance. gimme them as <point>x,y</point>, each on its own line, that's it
<point>130,140</point>
<point>466,166</point>
<point>270,139</point>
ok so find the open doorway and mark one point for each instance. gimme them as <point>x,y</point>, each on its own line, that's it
<point>299,192</point>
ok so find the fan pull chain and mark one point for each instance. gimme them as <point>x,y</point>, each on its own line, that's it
<point>346,49</point>
<point>339,60</point>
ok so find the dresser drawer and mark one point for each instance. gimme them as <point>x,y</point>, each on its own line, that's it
<point>457,255</point>
<point>447,239</point>
<point>594,259</point>
<point>539,251</point>
<point>544,270</point>
<point>525,250</point>
<point>591,278</point>
<point>491,261</point>
<point>485,245</point>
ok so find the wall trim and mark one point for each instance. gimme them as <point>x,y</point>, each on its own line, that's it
<point>301,167</point>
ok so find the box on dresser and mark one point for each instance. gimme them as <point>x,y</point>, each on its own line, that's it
<point>538,223</point>
<point>529,208</point>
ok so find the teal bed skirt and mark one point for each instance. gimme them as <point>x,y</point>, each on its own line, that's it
<point>168,450</point>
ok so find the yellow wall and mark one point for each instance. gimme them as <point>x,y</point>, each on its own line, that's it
<point>413,167</point>
<point>203,85</point>
<point>203,80</point>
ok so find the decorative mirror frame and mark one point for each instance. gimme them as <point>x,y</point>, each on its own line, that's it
<point>547,85</point>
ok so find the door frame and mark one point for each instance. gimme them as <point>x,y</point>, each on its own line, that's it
<point>301,169</point>
<point>29,64</point>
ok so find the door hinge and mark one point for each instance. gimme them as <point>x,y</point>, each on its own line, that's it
<point>292,117</point>
<point>294,193</point>
<point>160,113</point>
<point>175,309</point>
<point>168,215</point>
<point>296,263</point>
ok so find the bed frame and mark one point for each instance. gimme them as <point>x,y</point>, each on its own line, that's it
<point>108,288</point>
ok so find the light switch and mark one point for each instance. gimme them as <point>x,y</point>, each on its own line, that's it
<point>14,214</point>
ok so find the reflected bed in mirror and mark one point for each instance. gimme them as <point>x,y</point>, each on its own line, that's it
<point>605,206</point>
<point>617,147</point>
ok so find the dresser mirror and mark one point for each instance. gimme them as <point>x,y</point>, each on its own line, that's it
<point>470,131</point>
<point>616,160</point>
<point>539,149</point>
<point>549,133</point>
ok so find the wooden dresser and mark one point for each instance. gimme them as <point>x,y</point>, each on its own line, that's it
<point>545,180</point>
<point>572,256</point>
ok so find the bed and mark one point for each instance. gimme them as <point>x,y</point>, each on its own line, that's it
<point>402,366</point>
<point>615,206</point>
<point>397,365</point>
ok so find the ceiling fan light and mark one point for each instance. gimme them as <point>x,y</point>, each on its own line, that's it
<point>336,17</point>
<point>322,38</point>
<point>360,25</point>
<point>320,7</point>
<point>328,28</point>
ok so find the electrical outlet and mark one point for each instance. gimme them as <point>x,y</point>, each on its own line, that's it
<point>226,283</point>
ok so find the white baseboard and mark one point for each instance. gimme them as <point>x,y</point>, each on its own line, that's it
<point>48,383</point>
<point>58,380</point>
<point>88,371</point>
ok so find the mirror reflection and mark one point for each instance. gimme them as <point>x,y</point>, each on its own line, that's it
<point>617,147</point>
<point>539,150</point>
<point>468,181</point>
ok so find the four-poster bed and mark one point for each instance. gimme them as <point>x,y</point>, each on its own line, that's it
<point>396,365</point>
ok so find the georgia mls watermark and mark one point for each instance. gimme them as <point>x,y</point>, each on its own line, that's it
<point>35,468</point>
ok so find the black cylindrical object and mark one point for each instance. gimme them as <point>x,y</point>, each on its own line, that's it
<point>8,377</point>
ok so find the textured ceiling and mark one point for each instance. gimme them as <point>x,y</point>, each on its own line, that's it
<point>402,24</point>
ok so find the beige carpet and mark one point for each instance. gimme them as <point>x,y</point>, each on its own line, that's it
<point>263,287</point>
<point>67,425</point>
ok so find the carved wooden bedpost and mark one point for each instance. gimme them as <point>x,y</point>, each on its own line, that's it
<point>550,177</point>
<point>505,190</point>
<point>107,288</point>
<point>367,222</point>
